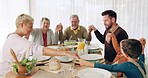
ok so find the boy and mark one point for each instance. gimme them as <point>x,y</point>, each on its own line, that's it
<point>131,49</point>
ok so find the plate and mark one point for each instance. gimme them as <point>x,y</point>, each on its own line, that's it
<point>91,56</point>
<point>53,47</point>
<point>43,58</point>
<point>93,73</point>
<point>72,46</point>
<point>64,58</point>
<point>93,47</point>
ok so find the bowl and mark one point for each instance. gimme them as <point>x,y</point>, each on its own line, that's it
<point>30,64</point>
<point>70,42</point>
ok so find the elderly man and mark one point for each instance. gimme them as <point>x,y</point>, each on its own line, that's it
<point>74,31</point>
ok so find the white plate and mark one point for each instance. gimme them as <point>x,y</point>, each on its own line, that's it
<point>72,46</point>
<point>93,73</point>
<point>42,58</point>
<point>91,56</point>
<point>53,47</point>
<point>93,47</point>
<point>64,58</point>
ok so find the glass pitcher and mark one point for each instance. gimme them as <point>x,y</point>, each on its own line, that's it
<point>81,45</point>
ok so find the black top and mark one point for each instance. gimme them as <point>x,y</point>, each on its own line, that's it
<point>110,52</point>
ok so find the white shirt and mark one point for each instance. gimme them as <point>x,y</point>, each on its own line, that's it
<point>21,47</point>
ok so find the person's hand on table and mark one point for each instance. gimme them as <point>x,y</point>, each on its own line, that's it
<point>72,54</point>
<point>85,63</point>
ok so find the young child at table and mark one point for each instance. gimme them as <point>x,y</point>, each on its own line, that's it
<point>133,68</point>
<point>120,57</point>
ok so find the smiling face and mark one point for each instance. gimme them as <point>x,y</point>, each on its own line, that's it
<point>45,25</point>
<point>74,22</point>
<point>24,24</point>
<point>28,27</point>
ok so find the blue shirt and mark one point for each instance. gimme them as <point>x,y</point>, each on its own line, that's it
<point>128,68</point>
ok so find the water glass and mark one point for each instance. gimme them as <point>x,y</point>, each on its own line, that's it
<point>71,71</point>
<point>63,74</point>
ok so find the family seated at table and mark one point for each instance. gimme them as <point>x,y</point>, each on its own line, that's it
<point>125,55</point>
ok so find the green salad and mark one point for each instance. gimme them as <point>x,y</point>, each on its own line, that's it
<point>71,42</point>
<point>29,64</point>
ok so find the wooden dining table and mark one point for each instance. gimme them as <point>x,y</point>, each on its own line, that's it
<point>39,72</point>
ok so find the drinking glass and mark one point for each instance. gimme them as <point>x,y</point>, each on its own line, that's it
<point>81,44</point>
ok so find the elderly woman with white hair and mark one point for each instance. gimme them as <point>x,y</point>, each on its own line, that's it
<point>43,35</point>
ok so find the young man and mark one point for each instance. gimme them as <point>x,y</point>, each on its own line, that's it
<point>133,68</point>
<point>109,19</point>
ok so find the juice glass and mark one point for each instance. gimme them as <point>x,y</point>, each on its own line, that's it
<point>81,45</point>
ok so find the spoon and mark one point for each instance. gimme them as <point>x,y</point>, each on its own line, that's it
<point>21,69</point>
<point>70,37</point>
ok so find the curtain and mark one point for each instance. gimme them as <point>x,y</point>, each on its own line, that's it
<point>9,10</point>
<point>131,15</point>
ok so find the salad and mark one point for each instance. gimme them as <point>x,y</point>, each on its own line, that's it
<point>28,63</point>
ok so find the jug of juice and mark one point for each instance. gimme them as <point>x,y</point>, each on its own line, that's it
<point>81,45</point>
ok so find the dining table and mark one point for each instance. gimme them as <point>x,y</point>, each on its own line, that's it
<point>41,71</point>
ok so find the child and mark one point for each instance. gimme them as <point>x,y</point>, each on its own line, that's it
<point>119,57</point>
<point>131,49</point>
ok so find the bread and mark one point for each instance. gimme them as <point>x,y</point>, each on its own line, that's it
<point>54,64</point>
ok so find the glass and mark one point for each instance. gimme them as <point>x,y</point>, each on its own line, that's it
<point>81,43</point>
<point>63,73</point>
<point>71,71</point>
<point>68,71</point>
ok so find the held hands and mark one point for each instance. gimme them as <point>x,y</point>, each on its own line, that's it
<point>59,28</point>
<point>90,28</point>
<point>143,42</point>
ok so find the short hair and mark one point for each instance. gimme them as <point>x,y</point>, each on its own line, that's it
<point>24,18</point>
<point>132,47</point>
<point>110,13</point>
<point>74,15</point>
<point>44,18</point>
